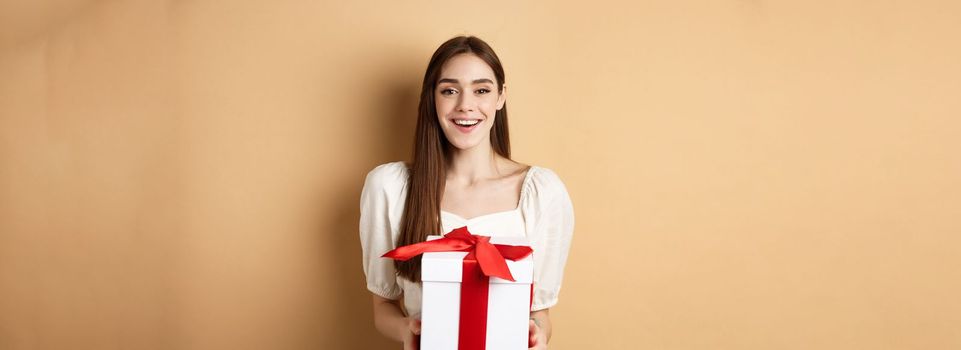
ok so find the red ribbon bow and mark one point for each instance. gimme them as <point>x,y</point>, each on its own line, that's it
<point>490,257</point>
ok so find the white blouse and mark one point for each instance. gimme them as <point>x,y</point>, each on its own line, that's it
<point>544,215</point>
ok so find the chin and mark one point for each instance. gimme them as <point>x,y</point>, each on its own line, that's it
<point>461,146</point>
<point>464,145</point>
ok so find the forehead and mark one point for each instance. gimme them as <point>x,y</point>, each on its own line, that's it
<point>466,67</point>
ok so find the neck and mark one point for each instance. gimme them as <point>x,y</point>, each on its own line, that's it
<point>473,164</point>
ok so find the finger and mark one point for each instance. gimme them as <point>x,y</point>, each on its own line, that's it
<point>532,334</point>
<point>412,344</point>
<point>415,326</point>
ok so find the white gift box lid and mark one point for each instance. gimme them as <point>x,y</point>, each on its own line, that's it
<point>448,266</point>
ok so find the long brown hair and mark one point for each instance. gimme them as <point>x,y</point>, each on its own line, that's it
<point>428,172</point>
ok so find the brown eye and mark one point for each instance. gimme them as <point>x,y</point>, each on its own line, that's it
<point>483,91</point>
<point>448,91</point>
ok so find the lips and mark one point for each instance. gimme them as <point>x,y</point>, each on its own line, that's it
<point>465,128</point>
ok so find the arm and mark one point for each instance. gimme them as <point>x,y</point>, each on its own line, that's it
<point>540,329</point>
<point>380,191</point>
<point>553,230</point>
<point>391,322</point>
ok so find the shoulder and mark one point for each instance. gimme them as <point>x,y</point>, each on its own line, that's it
<point>387,176</point>
<point>546,184</point>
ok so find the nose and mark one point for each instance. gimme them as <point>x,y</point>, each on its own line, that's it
<point>466,103</point>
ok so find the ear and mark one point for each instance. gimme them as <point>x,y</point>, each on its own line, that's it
<point>502,97</point>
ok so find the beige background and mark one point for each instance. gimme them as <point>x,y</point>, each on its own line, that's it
<point>745,174</point>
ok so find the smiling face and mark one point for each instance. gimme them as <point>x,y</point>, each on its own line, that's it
<point>467,99</point>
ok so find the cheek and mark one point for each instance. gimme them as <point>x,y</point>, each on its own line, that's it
<point>443,106</point>
<point>489,102</point>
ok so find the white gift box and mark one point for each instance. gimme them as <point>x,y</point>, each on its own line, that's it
<point>508,303</point>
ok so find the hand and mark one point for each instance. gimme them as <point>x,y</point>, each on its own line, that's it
<point>537,339</point>
<point>411,335</point>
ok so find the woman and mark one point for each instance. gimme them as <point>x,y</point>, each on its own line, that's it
<point>461,175</point>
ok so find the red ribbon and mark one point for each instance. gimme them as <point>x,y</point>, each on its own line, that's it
<point>483,260</point>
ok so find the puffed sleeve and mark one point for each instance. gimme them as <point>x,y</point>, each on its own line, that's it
<point>375,231</point>
<point>551,239</point>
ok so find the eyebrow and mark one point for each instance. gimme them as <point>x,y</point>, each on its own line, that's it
<point>476,81</point>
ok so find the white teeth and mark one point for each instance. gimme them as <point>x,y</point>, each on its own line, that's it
<point>465,122</point>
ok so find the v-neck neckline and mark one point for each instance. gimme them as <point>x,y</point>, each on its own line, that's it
<point>520,199</point>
